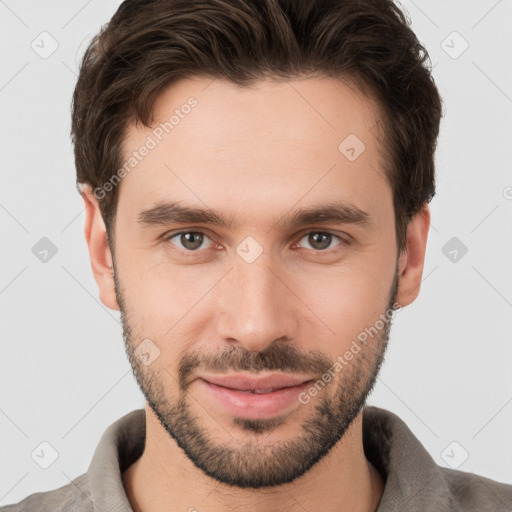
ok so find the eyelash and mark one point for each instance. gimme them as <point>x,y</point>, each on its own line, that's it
<point>188,253</point>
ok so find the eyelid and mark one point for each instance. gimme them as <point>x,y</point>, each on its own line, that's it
<point>340,234</point>
<point>344,239</point>
<point>170,234</point>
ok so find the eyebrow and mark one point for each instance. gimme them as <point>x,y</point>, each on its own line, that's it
<point>171,212</point>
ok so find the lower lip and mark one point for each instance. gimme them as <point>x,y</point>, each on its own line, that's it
<point>255,405</point>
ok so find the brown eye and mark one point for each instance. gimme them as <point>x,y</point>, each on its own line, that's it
<point>189,240</point>
<point>320,240</point>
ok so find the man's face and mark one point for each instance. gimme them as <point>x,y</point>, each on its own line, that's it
<point>263,295</point>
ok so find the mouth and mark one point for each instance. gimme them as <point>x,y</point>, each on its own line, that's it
<point>259,384</point>
<point>255,397</point>
<point>258,391</point>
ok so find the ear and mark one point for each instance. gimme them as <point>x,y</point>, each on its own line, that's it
<point>412,258</point>
<point>99,250</point>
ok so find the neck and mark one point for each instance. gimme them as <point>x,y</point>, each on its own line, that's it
<point>165,478</point>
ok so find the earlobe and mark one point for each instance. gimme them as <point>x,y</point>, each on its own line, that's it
<point>99,250</point>
<point>412,259</point>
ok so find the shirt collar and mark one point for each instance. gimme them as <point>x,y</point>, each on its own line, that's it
<point>120,445</point>
<point>414,481</point>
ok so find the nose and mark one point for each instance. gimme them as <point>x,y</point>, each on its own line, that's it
<point>256,306</point>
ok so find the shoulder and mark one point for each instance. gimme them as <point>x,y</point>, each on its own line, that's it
<point>475,492</point>
<point>415,482</point>
<point>73,496</point>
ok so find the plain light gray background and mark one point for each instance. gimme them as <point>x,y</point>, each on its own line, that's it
<point>64,373</point>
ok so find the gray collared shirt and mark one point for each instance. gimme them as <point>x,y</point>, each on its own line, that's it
<point>414,482</point>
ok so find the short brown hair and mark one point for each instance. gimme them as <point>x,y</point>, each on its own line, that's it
<point>149,44</point>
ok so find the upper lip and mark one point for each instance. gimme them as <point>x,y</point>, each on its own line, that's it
<point>249,383</point>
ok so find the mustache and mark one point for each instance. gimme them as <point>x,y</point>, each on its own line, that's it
<point>284,358</point>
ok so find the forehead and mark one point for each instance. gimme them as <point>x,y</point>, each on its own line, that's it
<point>273,143</point>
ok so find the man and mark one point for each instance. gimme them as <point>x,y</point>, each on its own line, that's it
<point>256,177</point>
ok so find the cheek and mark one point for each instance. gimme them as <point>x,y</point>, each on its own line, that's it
<point>157,288</point>
<point>344,303</point>
<point>166,303</point>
